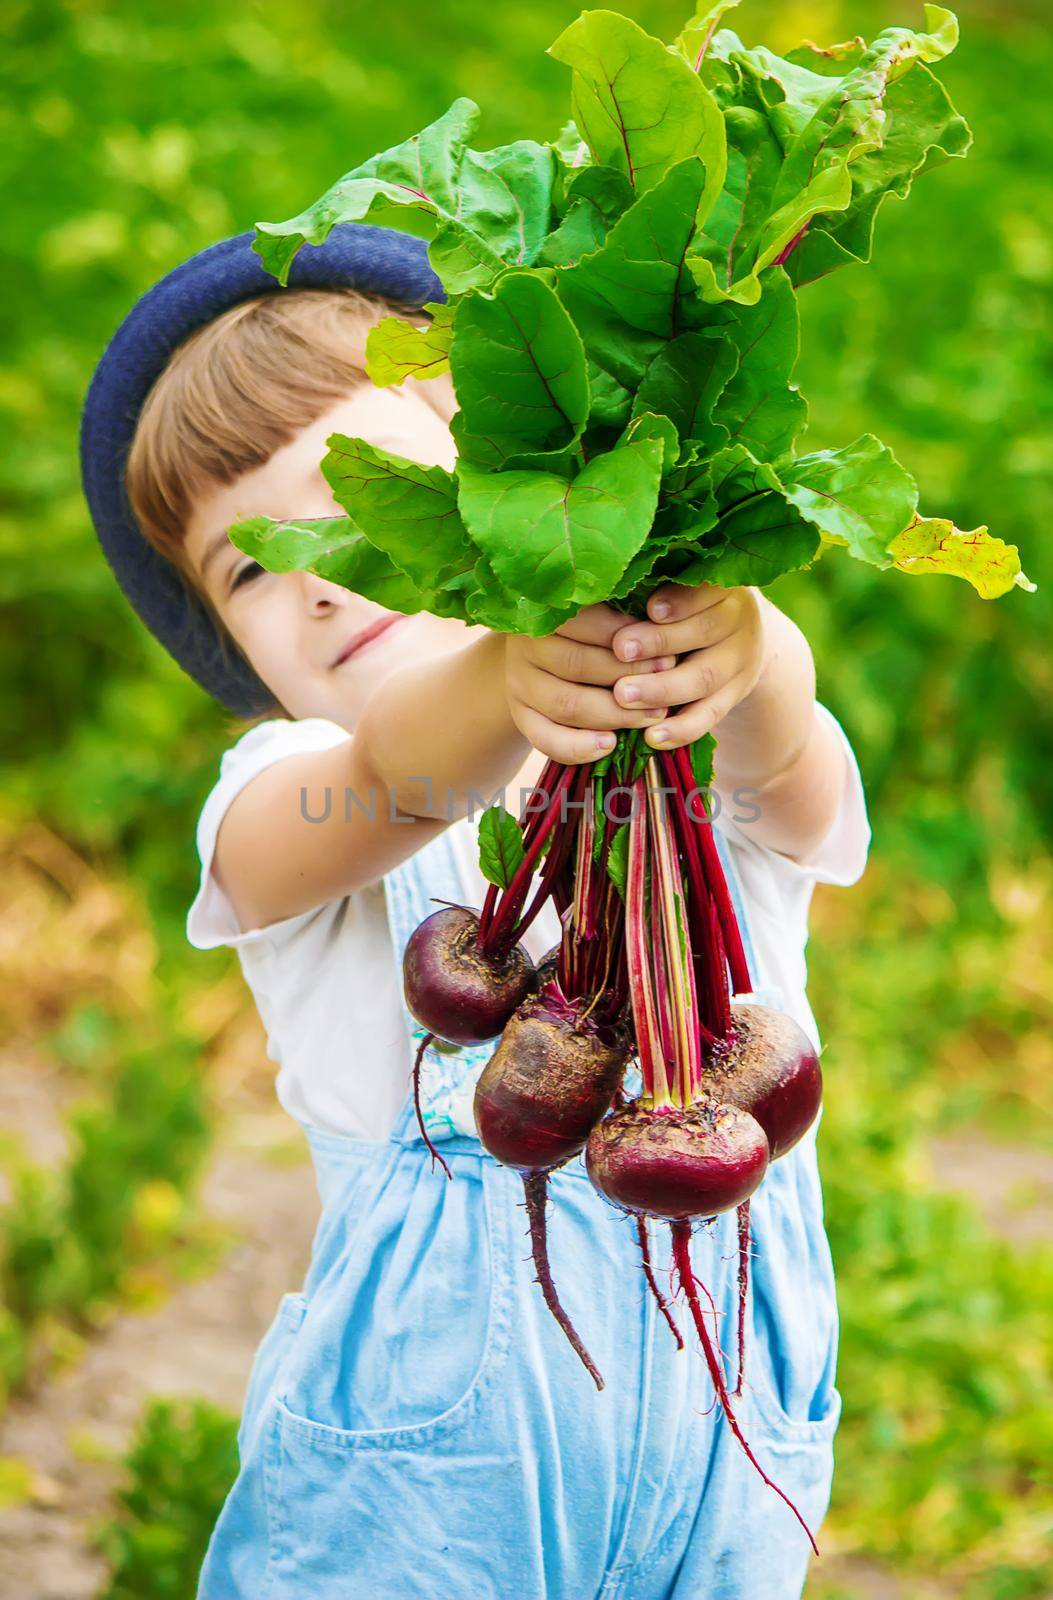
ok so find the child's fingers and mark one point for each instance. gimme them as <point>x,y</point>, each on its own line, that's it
<point>588,663</point>
<point>571,746</point>
<point>577,705</point>
<point>690,724</point>
<point>640,641</point>
<point>596,624</point>
<point>672,602</point>
<point>697,676</point>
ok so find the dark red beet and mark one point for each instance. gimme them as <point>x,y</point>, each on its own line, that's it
<point>677,1163</point>
<point>548,1083</point>
<point>452,988</point>
<point>768,1067</point>
<point>551,1078</point>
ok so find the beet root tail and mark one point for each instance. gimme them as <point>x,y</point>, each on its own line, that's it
<point>681,1232</point>
<point>663,1303</point>
<point>435,1156</point>
<point>535,1185</point>
<point>743,1217</point>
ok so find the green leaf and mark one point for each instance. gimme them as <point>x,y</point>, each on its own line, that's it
<point>858,496</point>
<point>569,147</point>
<point>804,144</point>
<point>519,370</point>
<point>509,193</point>
<point>762,541</point>
<point>397,350</point>
<point>561,543</point>
<point>932,545</point>
<point>407,510</point>
<point>580,232</point>
<point>920,124</point>
<point>746,232</point>
<point>701,754</point>
<point>334,548</point>
<point>618,859</point>
<point>639,107</point>
<point>501,849</point>
<point>597,197</point>
<point>759,407</point>
<point>632,296</point>
<point>684,382</point>
<point>610,401</point>
<point>478,211</point>
<point>695,40</point>
<point>650,425</point>
<point>760,534</point>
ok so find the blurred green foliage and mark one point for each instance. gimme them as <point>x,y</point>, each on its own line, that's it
<point>183,1458</point>
<point>132,136</point>
<point>73,1236</point>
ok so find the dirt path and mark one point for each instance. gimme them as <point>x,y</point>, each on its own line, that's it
<point>199,1342</point>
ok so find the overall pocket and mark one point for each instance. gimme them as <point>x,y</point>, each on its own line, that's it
<point>792,1323</point>
<point>403,1333</point>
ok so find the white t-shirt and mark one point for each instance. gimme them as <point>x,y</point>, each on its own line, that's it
<point>328,987</point>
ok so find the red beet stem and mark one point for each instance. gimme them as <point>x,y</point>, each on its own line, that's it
<point>501,928</point>
<point>714,871</point>
<point>529,825</point>
<point>681,1232</point>
<point>743,1218</point>
<point>663,1303</point>
<point>535,1185</point>
<point>435,1156</point>
<point>712,974</point>
<point>638,946</point>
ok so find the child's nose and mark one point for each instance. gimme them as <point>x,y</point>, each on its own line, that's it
<point>320,594</point>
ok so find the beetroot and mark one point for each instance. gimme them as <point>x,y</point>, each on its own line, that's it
<point>455,990</point>
<point>677,1162</point>
<point>767,1066</point>
<point>551,1078</point>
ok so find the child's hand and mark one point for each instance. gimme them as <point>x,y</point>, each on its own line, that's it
<point>719,640</point>
<point>559,687</point>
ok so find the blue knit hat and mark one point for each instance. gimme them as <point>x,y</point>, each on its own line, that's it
<point>355,256</point>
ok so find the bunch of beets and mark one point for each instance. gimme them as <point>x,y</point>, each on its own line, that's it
<point>649,941</point>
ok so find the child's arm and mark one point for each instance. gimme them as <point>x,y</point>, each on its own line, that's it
<point>746,672</point>
<point>435,741</point>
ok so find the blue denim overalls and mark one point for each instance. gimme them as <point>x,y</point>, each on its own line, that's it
<point>417,1428</point>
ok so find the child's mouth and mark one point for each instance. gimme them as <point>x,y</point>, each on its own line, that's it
<point>361,640</point>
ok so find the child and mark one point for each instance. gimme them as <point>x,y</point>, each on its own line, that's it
<point>416,1424</point>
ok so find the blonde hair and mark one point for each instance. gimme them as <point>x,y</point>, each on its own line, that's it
<point>241,388</point>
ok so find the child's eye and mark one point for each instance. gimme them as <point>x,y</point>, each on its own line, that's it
<point>245,574</point>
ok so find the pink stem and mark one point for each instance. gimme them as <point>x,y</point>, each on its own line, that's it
<point>504,919</point>
<point>682,1256</point>
<point>535,1185</point>
<point>714,873</point>
<point>742,1216</point>
<point>435,1156</point>
<point>663,1303</point>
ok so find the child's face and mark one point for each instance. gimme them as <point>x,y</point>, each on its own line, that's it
<point>296,628</point>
